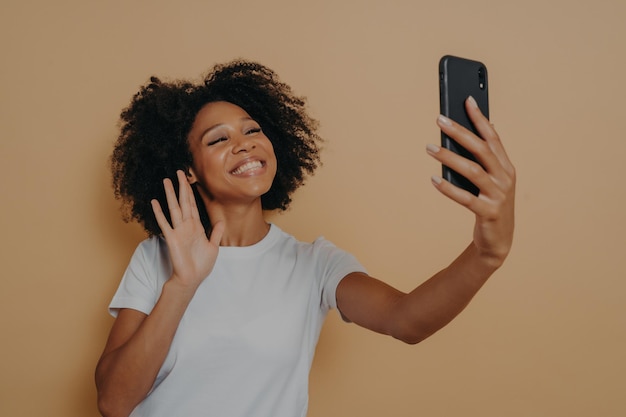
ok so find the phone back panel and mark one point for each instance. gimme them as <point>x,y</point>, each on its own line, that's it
<point>460,78</point>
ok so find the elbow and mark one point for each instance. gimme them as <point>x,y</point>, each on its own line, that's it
<point>111,405</point>
<point>106,403</point>
<point>110,408</point>
<point>412,334</point>
<point>410,339</point>
<point>104,409</point>
<point>107,407</point>
<point>112,399</point>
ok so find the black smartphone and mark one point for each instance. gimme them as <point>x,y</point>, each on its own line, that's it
<point>460,78</point>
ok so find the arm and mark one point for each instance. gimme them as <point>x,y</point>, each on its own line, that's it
<point>414,316</point>
<point>138,344</point>
<point>135,351</point>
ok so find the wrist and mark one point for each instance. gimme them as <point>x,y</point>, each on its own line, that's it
<point>179,289</point>
<point>490,260</point>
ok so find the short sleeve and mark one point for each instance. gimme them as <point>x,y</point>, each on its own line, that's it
<point>141,284</point>
<point>333,265</point>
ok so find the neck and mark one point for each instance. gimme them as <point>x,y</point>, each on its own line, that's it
<point>245,224</point>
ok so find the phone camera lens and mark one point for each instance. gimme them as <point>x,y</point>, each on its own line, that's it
<point>481,78</point>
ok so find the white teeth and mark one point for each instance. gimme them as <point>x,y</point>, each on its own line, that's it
<point>247,166</point>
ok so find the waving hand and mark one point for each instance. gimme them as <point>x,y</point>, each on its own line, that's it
<point>193,255</point>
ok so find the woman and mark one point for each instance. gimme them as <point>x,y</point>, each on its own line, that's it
<point>219,312</point>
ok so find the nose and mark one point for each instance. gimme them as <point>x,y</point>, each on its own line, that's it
<point>243,143</point>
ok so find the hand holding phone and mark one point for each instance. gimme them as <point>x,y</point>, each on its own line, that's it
<point>494,214</point>
<point>460,78</point>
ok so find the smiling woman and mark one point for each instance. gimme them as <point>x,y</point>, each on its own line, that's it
<point>233,160</point>
<point>219,312</point>
<point>153,142</point>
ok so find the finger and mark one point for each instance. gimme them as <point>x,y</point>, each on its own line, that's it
<point>217,233</point>
<point>172,202</point>
<point>487,131</point>
<point>471,170</point>
<point>453,192</point>
<point>466,138</point>
<point>185,194</point>
<point>160,217</point>
<point>475,145</point>
<point>193,205</point>
<point>481,206</point>
<point>502,168</point>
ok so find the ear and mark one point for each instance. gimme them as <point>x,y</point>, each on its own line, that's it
<point>191,176</point>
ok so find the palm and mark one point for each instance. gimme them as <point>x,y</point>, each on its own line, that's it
<point>193,255</point>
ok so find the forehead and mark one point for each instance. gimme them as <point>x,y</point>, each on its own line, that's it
<point>217,112</point>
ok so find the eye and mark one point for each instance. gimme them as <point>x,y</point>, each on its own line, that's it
<point>221,139</point>
<point>253,130</point>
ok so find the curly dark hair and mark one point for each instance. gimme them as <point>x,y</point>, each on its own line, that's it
<point>153,140</point>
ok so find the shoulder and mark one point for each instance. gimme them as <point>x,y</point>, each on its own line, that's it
<point>317,247</point>
<point>151,246</point>
<point>151,251</point>
<point>330,259</point>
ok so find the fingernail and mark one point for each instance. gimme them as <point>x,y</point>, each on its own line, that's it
<point>472,102</point>
<point>430,148</point>
<point>444,120</point>
<point>436,179</point>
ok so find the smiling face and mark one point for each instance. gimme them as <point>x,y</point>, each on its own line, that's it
<point>233,160</point>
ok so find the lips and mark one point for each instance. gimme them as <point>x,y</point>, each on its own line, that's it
<point>248,166</point>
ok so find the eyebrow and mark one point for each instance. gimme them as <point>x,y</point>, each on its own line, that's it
<point>216,126</point>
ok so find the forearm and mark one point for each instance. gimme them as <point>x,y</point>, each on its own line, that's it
<point>441,298</point>
<point>126,374</point>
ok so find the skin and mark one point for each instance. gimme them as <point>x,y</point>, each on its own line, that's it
<point>222,139</point>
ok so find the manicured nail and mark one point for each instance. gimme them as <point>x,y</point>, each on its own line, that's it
<point>472,102</point>
<point>436,179</point>
<point>444,120</point>
<point>432,148</point>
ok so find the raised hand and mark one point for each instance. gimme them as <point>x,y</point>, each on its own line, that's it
<point>494,206</point>
<point>193,255</point>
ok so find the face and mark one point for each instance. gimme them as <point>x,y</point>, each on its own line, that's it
<point>233,160</point>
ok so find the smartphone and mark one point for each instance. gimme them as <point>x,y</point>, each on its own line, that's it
<point>460,78</point>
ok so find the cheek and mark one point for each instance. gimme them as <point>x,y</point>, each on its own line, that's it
<point>207,166</point>
<point>209,159</point>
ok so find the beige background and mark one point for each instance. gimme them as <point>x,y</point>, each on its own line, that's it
<point>546,336</point>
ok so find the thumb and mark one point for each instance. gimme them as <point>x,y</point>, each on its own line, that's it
<point>217,233</point>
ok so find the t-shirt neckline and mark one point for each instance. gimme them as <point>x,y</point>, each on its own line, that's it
<point>239,251</point>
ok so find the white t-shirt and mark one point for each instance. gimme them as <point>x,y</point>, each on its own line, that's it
<point>245,344</point>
